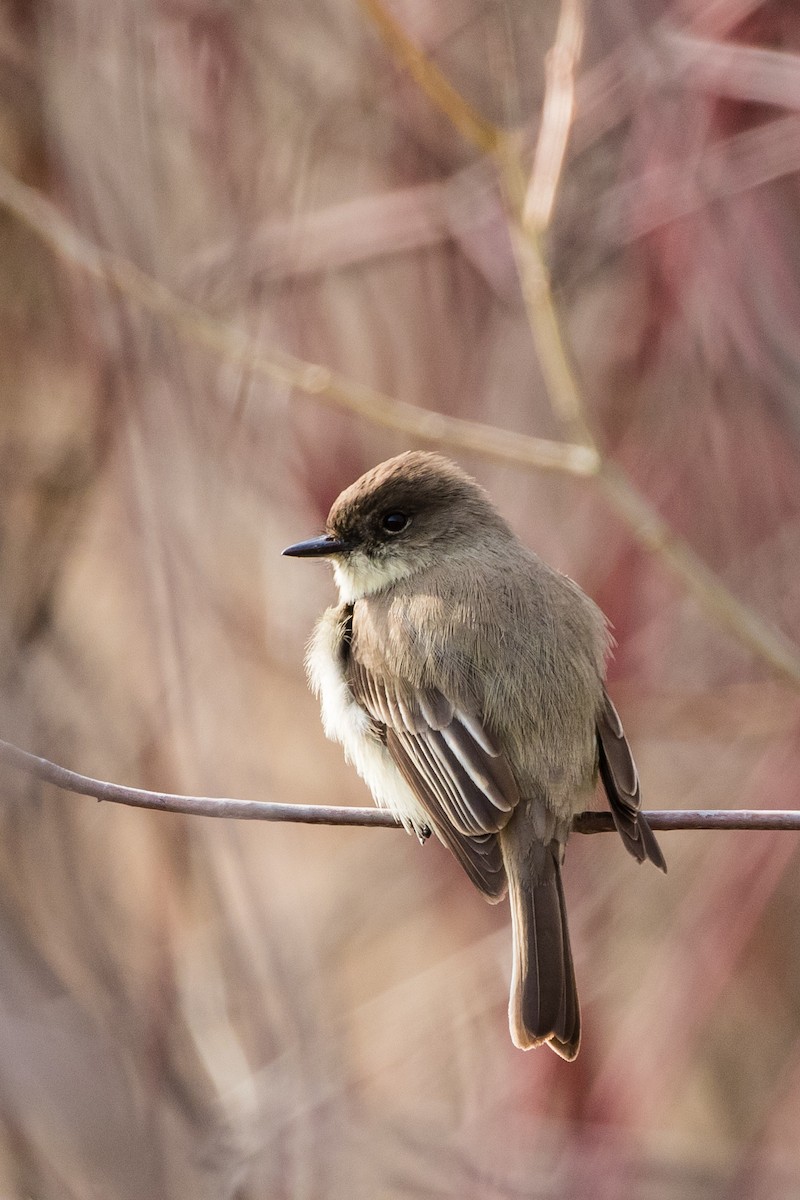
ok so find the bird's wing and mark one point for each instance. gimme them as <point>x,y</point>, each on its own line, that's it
<point>621,782</point>
<point>451,763</point>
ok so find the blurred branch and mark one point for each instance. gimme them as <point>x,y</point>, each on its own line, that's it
<point>324,814</point>
<point>752,74</point>
<point>730,166</point>
<point>557,113</point>
<point>530,209</point>
<point>469,123</point>
<point>44,219</point>
<point>531,215</point>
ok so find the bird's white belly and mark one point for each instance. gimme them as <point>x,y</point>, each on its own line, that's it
<point>346,722</point>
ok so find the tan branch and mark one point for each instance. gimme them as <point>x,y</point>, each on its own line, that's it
<point>324,814</point>
<point>533,217</point>
<point>557,112</point>
<point>562,386</point>
<point>470,124</point>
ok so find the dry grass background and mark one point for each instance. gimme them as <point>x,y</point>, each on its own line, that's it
<point>201,1009</point>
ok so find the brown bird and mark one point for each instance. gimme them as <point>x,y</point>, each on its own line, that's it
<point>464,678</point>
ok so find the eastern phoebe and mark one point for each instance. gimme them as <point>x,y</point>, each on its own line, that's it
<point>464,678</point>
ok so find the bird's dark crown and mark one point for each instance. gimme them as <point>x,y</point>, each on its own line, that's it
<point>413,498</point>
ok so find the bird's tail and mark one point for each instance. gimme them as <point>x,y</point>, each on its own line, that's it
<point>543,1007</point>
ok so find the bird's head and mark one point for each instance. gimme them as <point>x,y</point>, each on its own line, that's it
<point>399,518</point>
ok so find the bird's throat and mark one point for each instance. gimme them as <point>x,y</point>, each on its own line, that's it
<point>358,575</point>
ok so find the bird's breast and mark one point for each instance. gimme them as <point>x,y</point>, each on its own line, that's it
<point>346,722</point>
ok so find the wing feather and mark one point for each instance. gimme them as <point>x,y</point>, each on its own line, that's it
<point>451,763</point>
<point>621,782</point>
<point>480,857</point>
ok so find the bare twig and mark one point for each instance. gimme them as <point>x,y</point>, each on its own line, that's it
<point>531,216</point>
<point>324,814</point>
<point>197,806</point>
<point>470,124</point>
<point>557,112</point>
<point>698,818</point>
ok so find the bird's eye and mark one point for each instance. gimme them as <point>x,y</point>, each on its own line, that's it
<point>394,522</point>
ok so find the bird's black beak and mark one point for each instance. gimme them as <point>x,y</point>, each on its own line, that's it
<point>319,547</point>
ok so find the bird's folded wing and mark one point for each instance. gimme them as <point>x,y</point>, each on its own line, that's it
<point>621,782</point>
<point>451,763</point>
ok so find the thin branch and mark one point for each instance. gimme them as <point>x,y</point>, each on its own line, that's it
<point>532,215</point>
<point>324,814</point>
<point>197,806</point>
<point>557,113</point>
<point>559,377</point>
<point>469,123</point>
<point>697,818</point>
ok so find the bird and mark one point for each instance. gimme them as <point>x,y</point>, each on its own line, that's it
<point>465,679</point>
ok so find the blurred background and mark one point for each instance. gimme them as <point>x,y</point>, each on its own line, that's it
<point>209,1009</point>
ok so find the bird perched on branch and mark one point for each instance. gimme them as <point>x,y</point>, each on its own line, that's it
<point>464,678</point>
